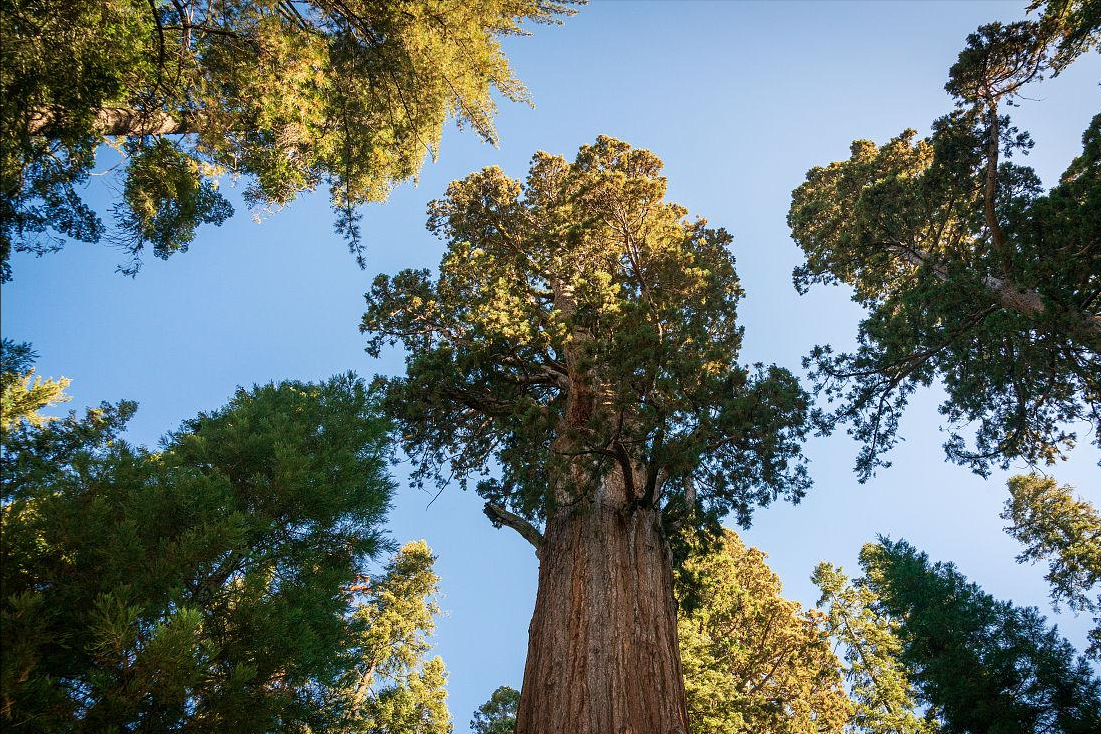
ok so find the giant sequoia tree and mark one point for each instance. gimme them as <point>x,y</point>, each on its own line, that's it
<point>970,272</point>
<point>580,343</point>
<point>289,94</point>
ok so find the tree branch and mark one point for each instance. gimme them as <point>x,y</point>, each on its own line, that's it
<point>500,516</point>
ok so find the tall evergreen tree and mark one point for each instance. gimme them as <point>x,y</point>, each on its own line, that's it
<point>884,699</point>
<point>22,393</point>
<point>983,665</point>
<point>754,662</point>
<point>213,585</point>
<point>970,272</point>
<point>289,94</point>
<point>1056,526</point>
<point>581,336</point>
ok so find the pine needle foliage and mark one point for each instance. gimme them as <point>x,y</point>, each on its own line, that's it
<point>208,586</point>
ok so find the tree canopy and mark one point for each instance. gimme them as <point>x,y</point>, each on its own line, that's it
<point>1065,530</point>
<point>884,699</point>
<point>498,714</point>
<point>215,584</point>
<point>982,665</point>
<point>970,272</point>
<point>578,323</point>
<point>289,95</point>
<point>754,662</point>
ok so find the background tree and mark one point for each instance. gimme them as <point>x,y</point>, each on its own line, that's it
<point>983,665</point>
<point>22,393</point>
<point>753,660</point>
<point>581,336</point>
<point>1055,525</point>
<point>392,688</point>
<point>289,94</point>
<point>884,700</point>
<point>210,586</point>
<point>969,271</point>
<point>498,714</point>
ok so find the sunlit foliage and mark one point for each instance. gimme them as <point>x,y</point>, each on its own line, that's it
<point>24,394</point>
<point>579,322</point>
<point>498,714</point>
<point>1064,530</point>
<point>884,700</point>
<point>754,662</point>
<point>288,95</point>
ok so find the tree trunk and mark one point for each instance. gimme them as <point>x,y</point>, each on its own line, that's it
<point>603,656</point>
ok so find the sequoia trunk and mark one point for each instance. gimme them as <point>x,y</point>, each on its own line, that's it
<point>602,647</point>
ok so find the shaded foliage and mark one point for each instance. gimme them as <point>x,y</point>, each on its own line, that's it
<point>206,586</point>
<point>971,274</point>
<point>981,664</point>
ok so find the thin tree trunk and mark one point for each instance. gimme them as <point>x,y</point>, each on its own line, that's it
<point>603,656</point>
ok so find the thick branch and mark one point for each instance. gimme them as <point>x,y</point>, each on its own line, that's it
<point>500,516</point>
<point>1026,303</point>
<point>119,121</point>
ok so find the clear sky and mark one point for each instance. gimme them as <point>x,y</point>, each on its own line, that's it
<point>739,99</point>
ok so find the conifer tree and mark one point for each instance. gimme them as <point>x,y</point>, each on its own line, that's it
<point>982,665</point>
<point>970,272</point>
<point>884,700</point>
<point>498,714</point>
<point>290,95</point>
<point>216,584</point>
<point>581,336</point>
<point>754,662</point>
<point>1056,526</point>
<point>22,393</point>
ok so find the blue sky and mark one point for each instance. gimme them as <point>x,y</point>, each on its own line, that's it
<point>739,99</point>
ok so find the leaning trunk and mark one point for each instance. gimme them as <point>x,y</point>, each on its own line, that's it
<point>602,647</point>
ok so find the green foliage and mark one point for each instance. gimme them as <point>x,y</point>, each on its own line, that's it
<point>981,664</point>
<point>1055,526</point>
<point>498,714</point>
<point>392,687</point>
<point>752,660</point>
<point>22,393</point>
<point>579,324</point>
<point>289,94</point>
<point>970,273</point>
<point>206,586</point>
<point>884,700</point>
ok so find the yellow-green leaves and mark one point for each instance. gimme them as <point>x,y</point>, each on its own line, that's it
<point>577,316</point>
<point>24,393</point>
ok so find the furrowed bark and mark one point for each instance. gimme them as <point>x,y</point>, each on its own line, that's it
<point>603,656</point>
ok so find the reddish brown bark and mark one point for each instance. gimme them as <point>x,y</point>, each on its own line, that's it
<point>603,656</point>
